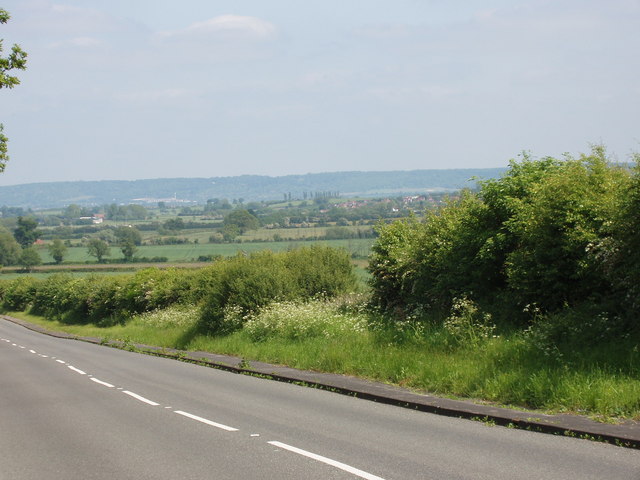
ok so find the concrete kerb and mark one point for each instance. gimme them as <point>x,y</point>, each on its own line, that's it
<point>626,434</point>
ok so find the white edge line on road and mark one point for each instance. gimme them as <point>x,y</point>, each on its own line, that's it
<point>60,361</point>
<point>328,461</point>
<point>33,351</point>
<point>77,370</point>
<point>94,379</point>
<point>204,420</point>
<point>142,399</point>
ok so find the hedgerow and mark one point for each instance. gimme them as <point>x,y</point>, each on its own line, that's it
<point>554,234</point>
<point>243,282</point>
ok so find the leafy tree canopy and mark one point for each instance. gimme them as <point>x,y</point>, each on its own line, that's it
<point>16,60</point>
<point>98,248</point>
<point>26,232</point>
<point>9,248</point>
<point>128,234</point>
<point>29,258</point>
<point>242,219</point>
<point>57,249</point>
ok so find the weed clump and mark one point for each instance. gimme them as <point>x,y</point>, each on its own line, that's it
<point>301,320</point>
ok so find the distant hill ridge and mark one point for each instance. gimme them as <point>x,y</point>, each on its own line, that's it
<point>247,187</point>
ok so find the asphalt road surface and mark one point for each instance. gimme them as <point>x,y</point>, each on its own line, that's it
<point>72,410</point>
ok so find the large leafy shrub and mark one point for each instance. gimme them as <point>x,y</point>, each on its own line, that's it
<point>538,235</point>
<point>557,227</point>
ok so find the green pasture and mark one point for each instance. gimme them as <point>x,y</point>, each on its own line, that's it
<point>191,252</point>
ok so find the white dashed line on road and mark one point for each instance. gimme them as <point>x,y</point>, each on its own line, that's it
<point>328,461</point>
<point>205,421</point>
<point>94,379</point>
<point>141,398</point>
<point>334,463</point>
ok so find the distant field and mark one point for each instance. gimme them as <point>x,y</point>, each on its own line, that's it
<point>191,252</point>
<point>41,275</point>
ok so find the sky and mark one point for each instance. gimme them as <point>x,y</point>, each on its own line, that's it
<point>132,89</point>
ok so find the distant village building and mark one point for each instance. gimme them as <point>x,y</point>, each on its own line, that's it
<point>351,204</point>
<point>96,219</point>
<point>413,198</point>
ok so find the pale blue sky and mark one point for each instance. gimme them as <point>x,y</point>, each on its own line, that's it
<point>134,89</point>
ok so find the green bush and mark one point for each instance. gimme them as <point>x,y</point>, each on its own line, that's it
<point>320,270</point>
<point>19,293</point>
<point>619,255</point>
<point>51,296</point>
<point>248,283</point>
<point>557,227</point>
<point>556,233</point>
<point>153,288</point>
<point>393,264</point>
<point>104,298</point>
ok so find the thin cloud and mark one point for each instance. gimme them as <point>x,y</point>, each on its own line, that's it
<point>228,26</point>
<point>78,42</point>
<point>153,96</point>
<point>411,94</point>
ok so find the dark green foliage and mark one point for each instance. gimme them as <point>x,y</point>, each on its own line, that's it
<point>26,232</point>
<point>128,240</point>
<point>9,248</point>
<point>550,233</point>
<point>619,255</point>
<point>242,219</point>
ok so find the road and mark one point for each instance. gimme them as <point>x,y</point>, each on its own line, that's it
<point>72,410</point>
